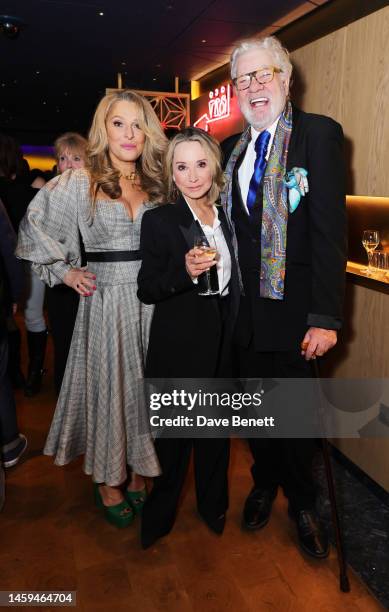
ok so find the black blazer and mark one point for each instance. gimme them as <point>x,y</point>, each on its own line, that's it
<point>316,251</point>
<point>186,333</point>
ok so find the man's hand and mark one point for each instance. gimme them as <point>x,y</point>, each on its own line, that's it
<point>317,341</point>
<point>81,281</point>
<point>196,262</point>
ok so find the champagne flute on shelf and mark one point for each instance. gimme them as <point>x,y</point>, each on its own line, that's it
<point>370,241</point>
<point>208,281</point>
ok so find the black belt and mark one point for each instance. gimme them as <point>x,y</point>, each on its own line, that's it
<point>114,256</point>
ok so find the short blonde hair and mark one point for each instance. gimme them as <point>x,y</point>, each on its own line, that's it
<point>265,43</point>
<point>70,141</point>
<point>149,166</point>
<point>213,152</point>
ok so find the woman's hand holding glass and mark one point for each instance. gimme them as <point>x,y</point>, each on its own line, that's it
<point>206,252</point>
<point>81,281</point>
<point>199,260</point>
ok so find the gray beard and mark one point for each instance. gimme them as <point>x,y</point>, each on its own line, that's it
<point>262,125</point>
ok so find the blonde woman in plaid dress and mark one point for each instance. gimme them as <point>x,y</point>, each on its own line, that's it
<point>99,413</point>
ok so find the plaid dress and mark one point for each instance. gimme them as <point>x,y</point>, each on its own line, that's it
<point>99,413</point>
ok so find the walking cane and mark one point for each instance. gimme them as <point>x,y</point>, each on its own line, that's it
<point>344,583</point>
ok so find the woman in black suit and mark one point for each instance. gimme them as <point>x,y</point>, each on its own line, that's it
<point>190,333</point>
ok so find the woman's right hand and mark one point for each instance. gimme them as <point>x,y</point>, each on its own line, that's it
<point>81,281</point>
<point>196,262</point>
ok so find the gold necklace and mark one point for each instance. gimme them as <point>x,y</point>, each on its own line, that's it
<point>130,177</point>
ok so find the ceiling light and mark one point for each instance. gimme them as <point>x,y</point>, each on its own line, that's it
<point>204,40</point>
<point>101,13</point>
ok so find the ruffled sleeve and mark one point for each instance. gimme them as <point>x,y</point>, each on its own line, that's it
<point>49,234</point>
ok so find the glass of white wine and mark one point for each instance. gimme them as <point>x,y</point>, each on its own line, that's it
<point>370,241</point>
<point>209,250</point>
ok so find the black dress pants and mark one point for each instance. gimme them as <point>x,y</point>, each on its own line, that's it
<point>281,461</point>
<point>62,308</point>
<point>211,458</point>
<point>9,432</point>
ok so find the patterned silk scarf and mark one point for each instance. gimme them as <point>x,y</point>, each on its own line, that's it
<point>275,206</point>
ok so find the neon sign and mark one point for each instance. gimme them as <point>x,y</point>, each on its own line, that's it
<point>218,106</point>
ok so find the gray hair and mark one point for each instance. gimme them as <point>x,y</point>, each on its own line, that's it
<point>266,43</point>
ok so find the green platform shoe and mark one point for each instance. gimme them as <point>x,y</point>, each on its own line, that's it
<point>136,499</point>
<point>120,515</point>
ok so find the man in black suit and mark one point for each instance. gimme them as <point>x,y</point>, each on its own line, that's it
<point>291,248</point>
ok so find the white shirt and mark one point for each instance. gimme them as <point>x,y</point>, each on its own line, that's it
<point>246,169</point>
<point>223,265</point>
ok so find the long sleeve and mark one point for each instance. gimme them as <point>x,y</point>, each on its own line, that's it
<point>328,223</point>
<point>48,233</point>
<point>162,273</point>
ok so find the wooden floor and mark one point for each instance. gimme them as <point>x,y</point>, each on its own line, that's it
<point>52,537</point>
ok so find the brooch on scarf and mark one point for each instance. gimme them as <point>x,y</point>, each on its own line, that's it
<point>297,183</point>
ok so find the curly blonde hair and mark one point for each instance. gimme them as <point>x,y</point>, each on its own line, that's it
<point>213,152</point>
<point>103,174</point>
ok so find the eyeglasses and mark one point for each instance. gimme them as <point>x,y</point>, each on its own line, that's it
<point>261,75</point>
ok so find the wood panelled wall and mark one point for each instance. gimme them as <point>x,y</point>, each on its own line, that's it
<point>345,75</point>
<point>362,352</point>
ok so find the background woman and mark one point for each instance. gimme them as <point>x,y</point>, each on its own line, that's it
<point>98,409</point>
<point>190,334</point>
<point>62,301</point>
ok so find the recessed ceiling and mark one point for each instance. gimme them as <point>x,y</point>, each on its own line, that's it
<point>70,51</point>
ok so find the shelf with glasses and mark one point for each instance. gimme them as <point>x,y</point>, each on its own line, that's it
<point>358,270</point>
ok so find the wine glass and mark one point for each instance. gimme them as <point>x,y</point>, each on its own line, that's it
<point>370,241</point>
<point>208,282</point>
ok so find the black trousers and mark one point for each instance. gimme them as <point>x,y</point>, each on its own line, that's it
<point>281,461</point>
<point>9,431</point>
<point>62,307</point>
<point>211,458</point>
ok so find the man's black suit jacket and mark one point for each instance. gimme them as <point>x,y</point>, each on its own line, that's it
<point>316,243</point>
